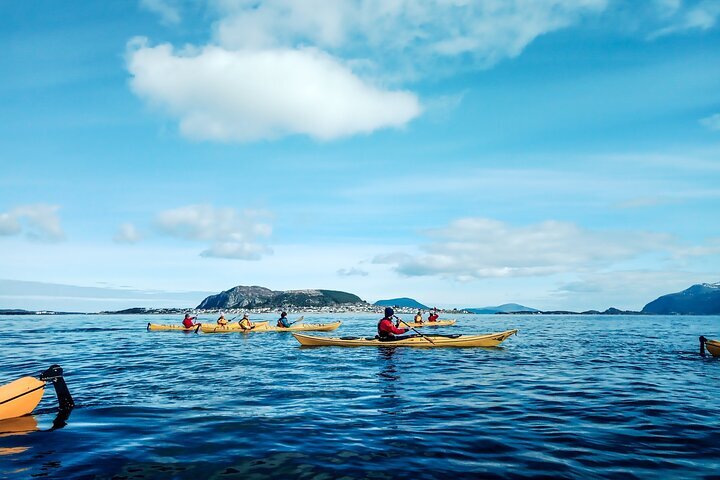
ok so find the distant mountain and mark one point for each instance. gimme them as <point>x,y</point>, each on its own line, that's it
<point>702,299</point>
<point>257,297</point>
<point>505,308</point>
<point>402,302</point>
<point>16,311</point>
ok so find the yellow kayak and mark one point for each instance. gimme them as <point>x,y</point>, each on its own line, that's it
<point>20,397</point>
<point>302,327</point>
<point>438,323</point>
<point>265,327</point>
<point>712,346</point>
<point>230,327</point>
<point>156,327</point>
<point>425,341</point>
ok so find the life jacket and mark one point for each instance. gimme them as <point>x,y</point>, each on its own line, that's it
<point>188,322</point>
<point>386,329</point>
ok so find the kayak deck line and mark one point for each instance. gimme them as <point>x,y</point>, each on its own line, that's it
<point>422,341</point>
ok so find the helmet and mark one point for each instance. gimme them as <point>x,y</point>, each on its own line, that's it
<point>389,312</point>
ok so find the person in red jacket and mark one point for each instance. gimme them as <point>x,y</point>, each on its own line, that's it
<point>386,329</point>
<point>433,317</point>
<point>188,321</point>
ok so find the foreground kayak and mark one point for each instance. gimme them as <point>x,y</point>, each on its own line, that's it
<point>712,346</point>
<point>425,341</point>
<point>21,396</point>
<point>439,323</point>
<point>265,327</point>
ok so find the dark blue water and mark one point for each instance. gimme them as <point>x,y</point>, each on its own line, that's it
<point>571,396</point>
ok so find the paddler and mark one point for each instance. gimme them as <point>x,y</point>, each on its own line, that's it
<point>433,317</point>
<point>283,321</point>
<point>188,321</point>
<point>386,329</point>
<point>418,317</point>
<point>245,323</point>
<point>222,321</point>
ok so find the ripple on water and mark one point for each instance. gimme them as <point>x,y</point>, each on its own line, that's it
<point>569,397</point>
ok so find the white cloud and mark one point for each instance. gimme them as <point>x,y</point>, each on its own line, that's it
<point>9,224</point>
<point>127,233</point>
<point>702,16</point>
<point>473,248</point>
<point>226,95</point>
<point>488,31</point>
<point>321,69</point>
<point>168,12</point>
<point>232,234</point>
<point>39,222</point>
<point>352,272</point>
<point>712,122</point>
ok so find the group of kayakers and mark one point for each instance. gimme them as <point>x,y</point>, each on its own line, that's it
<point>387,329</point>
<point>432,316</point>
<point>245,323</point>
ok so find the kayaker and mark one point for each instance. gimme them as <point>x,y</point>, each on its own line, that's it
<point>188,321</point>
<point>418,317</point>
<point>283,321</point>
<point>386,329</point>
<point>222,320</point>
<point>433,317</point>
<point>245,323</point>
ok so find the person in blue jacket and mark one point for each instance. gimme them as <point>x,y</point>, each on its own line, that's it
<point>283,321</point>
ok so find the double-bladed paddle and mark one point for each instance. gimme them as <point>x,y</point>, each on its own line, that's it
<point>413,329</point>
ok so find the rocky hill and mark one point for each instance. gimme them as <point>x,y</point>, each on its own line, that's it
<point>505,308</point>
<point>261,297</point>
<point>401,302</point>
<point>702,299</point>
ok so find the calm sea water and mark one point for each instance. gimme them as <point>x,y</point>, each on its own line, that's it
<point>571,396</point>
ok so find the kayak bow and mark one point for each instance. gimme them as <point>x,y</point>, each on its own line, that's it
<point>712,346</point>
<point>21,396</point>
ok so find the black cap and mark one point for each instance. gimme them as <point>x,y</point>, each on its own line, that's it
<point>389,312</point>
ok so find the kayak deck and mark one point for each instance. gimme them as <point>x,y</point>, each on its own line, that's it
<point>303,327</point>
<point>424,341</point>
<point>20,397</point>
<point>156,327</point>
<point>265,327</point>
<point>439,323</point>
<point>229,328</point>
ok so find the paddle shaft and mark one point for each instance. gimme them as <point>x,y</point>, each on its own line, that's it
<point>413,329</point>
<point>298,320</point>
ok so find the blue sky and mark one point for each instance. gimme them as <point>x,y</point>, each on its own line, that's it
<point>559,154</point>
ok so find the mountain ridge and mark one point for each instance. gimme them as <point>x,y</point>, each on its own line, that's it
<point>401,302</point>
<point>699,299</point>
<point>258,297</point>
